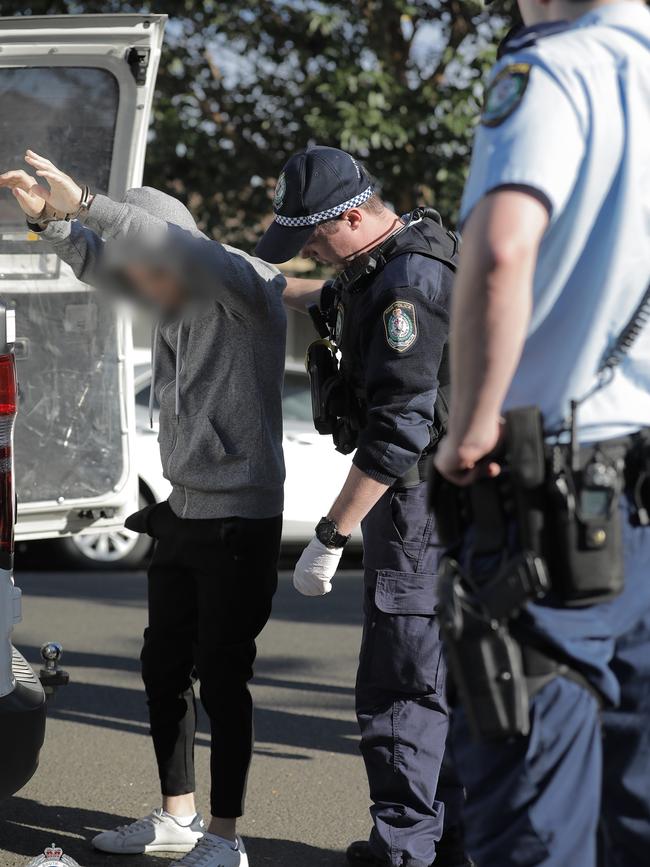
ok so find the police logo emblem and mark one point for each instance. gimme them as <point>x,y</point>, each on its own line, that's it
<point>280,192</point>
<point>400,325</point>
<point>505,93</point>
<point>53,857</point>
<point>338,327</point>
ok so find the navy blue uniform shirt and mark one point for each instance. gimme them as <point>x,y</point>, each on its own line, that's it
<point>392,333</point>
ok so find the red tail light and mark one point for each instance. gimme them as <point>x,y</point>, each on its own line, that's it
<point>8,402</point>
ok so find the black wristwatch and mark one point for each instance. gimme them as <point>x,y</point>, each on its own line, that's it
<point>328,534</point>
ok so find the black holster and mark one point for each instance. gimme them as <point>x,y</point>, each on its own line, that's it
<point>513,539</point>
<point>324,380</point>
<point>335,408</point>
<point>562,504</point>
<point>485,662</point>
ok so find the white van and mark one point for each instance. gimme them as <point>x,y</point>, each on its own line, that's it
<point>78,89</point>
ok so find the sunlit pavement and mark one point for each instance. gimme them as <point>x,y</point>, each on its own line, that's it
<point>307,797</point>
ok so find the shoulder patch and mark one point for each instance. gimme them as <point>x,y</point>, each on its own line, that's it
<point>338,327</point>
<point>400,325</point>
<point>505,93</point>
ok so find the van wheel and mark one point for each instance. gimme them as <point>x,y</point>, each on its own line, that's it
<point>118,549</point>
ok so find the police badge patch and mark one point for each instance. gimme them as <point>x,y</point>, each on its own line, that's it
<point>280,192</point>
<point>53,857</point>
<point>505,93</point>
<point>400,325</point>
<point>338,328</point>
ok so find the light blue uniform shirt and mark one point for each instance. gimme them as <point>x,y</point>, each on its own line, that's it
<point>580,138</point>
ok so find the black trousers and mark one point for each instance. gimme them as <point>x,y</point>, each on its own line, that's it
<point>211,586</point>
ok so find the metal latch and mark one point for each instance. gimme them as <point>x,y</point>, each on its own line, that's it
<point>138,60</point>
<point>95,515</point>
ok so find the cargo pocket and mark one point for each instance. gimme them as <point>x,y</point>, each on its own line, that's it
<point>412,523</point>
<point>401,647</point>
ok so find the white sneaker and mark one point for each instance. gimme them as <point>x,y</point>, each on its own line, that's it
<point>209,852</point>
<point>157,832</point>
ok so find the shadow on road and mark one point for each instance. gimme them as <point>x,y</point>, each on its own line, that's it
<point>130,589</point>
<point>291,854</point>
<point>86,704</point>
<point>18,834</point>
<point>124,709</point>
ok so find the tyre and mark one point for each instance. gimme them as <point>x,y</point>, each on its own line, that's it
<point>118,549</point>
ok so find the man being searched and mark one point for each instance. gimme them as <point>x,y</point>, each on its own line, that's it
<point>547,594</point>
<point>387,314</point>
<point>218,363</point>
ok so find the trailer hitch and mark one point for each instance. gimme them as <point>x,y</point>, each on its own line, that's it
<point>52,676</point>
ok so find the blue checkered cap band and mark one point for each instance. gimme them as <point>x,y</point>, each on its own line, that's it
<point>329,214</point>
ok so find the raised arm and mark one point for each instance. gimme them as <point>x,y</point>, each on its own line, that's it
<point>241,282</point>
<point>78,246</point>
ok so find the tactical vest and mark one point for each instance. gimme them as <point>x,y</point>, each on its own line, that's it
<point>423,235</point>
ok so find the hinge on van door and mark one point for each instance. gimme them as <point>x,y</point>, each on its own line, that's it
<point>138,60</point>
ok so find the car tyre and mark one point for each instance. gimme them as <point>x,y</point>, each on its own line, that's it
<point>120,549</point>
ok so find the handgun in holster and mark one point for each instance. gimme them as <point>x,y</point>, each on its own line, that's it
<point>485,660</point>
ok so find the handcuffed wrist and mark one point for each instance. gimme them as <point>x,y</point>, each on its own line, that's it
<point>85,202</point>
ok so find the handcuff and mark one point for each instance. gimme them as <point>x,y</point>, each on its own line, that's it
<point>49,215</point>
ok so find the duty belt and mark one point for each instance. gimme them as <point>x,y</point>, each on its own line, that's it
<point>543,666</point>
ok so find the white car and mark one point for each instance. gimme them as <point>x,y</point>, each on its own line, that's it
<point>315,474</point>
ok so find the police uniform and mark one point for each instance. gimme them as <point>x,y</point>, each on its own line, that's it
<point>391,327</point>
<point>388,313</point>
<point>567,119</point>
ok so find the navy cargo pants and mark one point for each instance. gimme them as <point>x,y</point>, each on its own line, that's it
<point>580,776</point>
<point>400,693</point>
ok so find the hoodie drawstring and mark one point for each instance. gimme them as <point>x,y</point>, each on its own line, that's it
<point>152,393</point>
<point>177,383</point>
<point>179,346</point>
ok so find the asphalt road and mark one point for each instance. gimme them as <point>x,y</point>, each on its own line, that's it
<point>307,796</point>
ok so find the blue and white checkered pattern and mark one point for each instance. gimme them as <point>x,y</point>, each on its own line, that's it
<point>329,214</point>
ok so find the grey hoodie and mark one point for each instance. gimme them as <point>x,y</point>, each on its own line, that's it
<point>218,371</point>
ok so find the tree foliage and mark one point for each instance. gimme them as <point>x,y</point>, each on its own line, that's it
<point>244,85</point>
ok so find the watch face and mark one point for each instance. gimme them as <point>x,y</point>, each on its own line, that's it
<point>326,532</point>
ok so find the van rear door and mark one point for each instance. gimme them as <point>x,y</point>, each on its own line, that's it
<point>77,89</point>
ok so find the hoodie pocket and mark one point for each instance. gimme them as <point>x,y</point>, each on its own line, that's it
<point>201,460</point>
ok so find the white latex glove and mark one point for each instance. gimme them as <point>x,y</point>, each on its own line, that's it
<point>315,569</point>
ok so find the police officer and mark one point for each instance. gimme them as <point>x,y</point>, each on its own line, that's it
<point>388,315</point>
<point>555,263</point>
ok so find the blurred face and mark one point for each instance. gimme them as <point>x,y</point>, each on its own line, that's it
<point>157,285</point>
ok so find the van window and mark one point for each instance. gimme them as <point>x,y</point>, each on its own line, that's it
<point>67,114</point>
<point>69,431</point>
